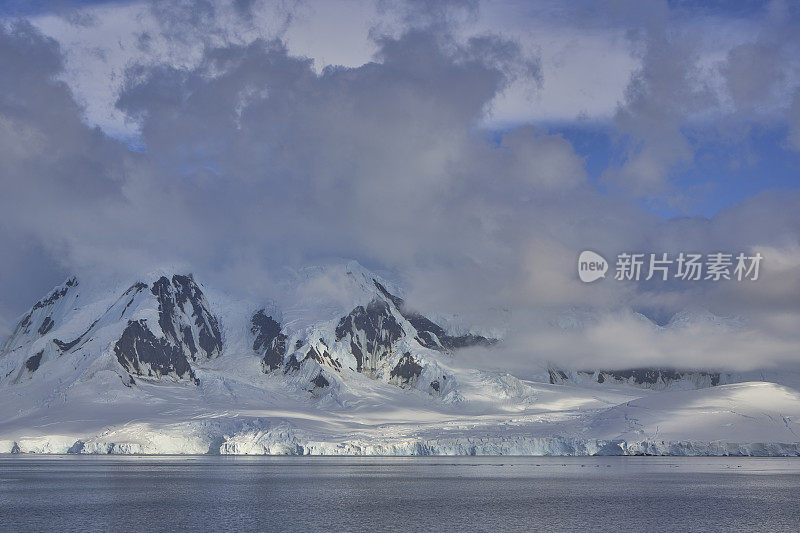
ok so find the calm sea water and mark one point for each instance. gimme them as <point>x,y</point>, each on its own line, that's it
<point>398,494</point>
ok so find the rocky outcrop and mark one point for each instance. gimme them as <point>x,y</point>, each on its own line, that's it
<point>189,332</point>
<point>269,341</point>
<point>370,332</point>
<point>42,317</point>
<point>141,353</point>
<point>185,319</point>
<point>429,334</point>
<point>406,371</point>
<point>646,378</point>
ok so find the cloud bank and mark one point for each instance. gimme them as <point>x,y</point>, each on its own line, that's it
<point>250,158</point>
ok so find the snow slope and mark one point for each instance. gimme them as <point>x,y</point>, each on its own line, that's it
<point>754,411</point>
<point>334,364</point>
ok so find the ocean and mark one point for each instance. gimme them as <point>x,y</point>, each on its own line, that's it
<point>181,493</point>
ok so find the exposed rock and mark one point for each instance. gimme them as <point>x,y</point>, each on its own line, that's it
<point>648,378</point>
<point>265,328</point>
<point>143,354</point>
<point>557,376</point>
<point>292,364</point>
<point>135,289</point>
<point>324,358</point>
<point>32,364</point>
<point>25,324</point>
<point>67,346</point>
<point>56,294</point>
<point>47,325</point>
<point>371,331</point>
<point>269,341</point>
<point>430,334</point>
<point>320,382</point>
<point>273,355</point>
<point>181,293</point>
<point>406,371</point>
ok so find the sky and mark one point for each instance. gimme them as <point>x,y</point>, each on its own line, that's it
<point>469,149</point>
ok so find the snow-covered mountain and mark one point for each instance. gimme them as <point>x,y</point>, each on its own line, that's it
<point>337,363</point>
<point>152,330</point>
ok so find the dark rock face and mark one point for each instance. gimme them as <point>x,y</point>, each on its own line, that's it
<point>465,341</point>
<point>646,377</point>
<point>184,294</point>
<point>47,325</point>
<point>143,354</point>
<point>557,376</point>
<point>292,365</point>
<point>322,358</point>
<point>372,332</point>
<point>24,325</point>
<point>320,382</point>
<point>131,294</point>
<point>190,331</point>
<point>265,328</point>
<point>273,355</point>
<point>269,340</point>
<point>429,334</point>
<point>67,346</point>
<point>32,364</point>
<point>407,370</point>
<point>652,376</point>
<point>56,295</point>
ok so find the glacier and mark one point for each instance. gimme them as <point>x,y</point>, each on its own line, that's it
<point>337,364</point>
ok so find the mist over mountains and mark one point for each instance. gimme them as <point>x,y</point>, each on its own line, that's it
<point>250,160</point>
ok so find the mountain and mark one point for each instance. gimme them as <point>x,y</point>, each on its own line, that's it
<point>336,363</point>
<point>153,331</point>
<point>379,338</point>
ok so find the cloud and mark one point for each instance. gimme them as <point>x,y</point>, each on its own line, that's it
<point>794,123</point>
<point>55,171</point>
<point>252,152</point>
<point>661,95</point>
<point>718,76</point>
<point>751,71</point>
<point>251,158</point>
